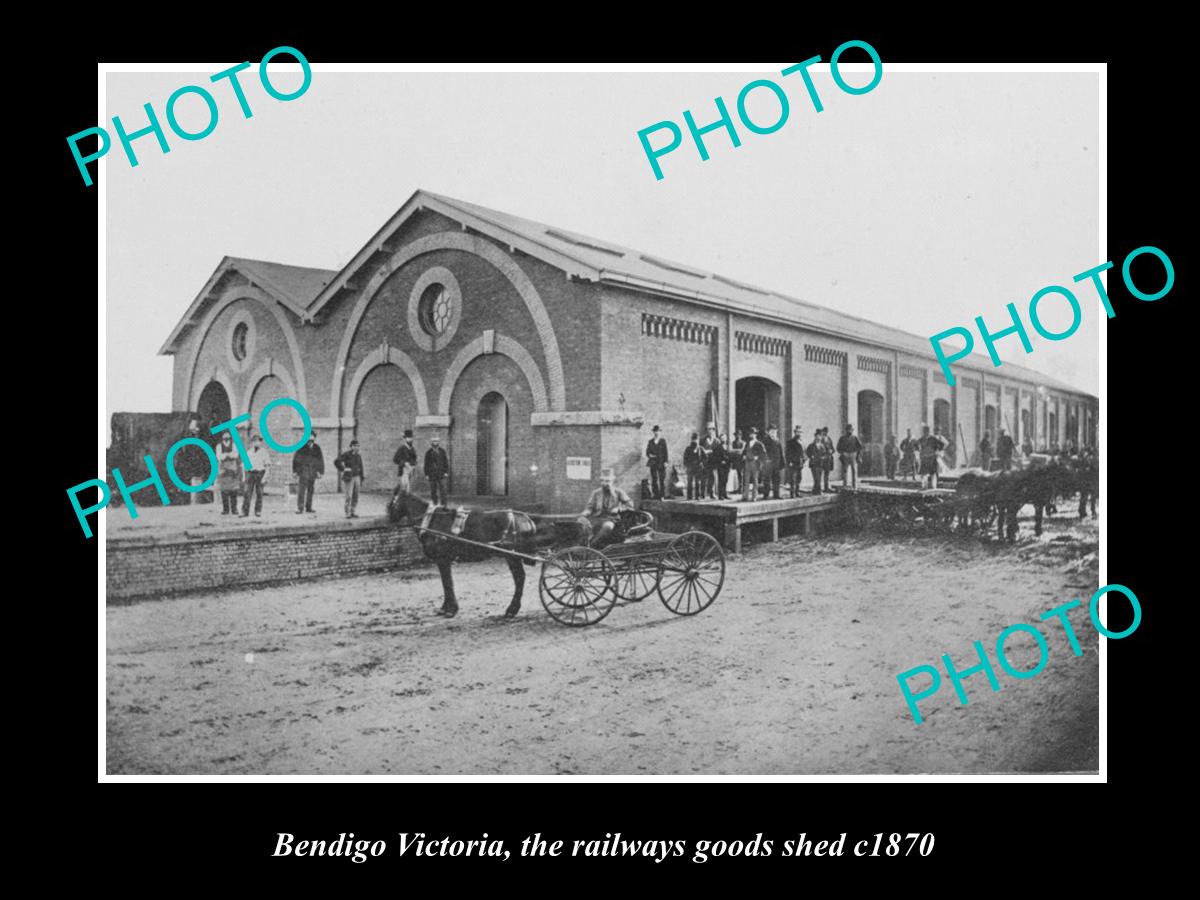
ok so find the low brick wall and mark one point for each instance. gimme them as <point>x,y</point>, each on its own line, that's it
<point>146,566</point>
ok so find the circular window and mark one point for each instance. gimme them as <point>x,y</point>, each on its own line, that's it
<point>241,334</point>
<point>436,308</point>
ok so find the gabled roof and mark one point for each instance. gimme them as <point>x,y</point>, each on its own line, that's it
<point>294,287</point>
<point>602,261</point>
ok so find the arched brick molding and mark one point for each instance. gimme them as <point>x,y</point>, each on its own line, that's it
<point>468,243</point>
<point>505,346</point>
<point>221,377</point>
<point>267,369</point>
<point>385,356</point>
<point>230,296</point>
<point>758,367</point>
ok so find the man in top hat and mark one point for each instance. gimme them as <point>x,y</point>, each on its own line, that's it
<point>816,453</point>
<point>350,465</point>
<point>849,447</point>
<point>437,467</point>
<point>656,459</point>
<point>309,464</point>
<point>795,457</point>
<point>604,508</point>
<point>406,461</point>
<point>755,455</point>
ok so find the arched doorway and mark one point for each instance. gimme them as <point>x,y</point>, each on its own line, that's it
<point>989,424</point>
<point>870,431</point>
<point>213,407</point>
<point>283,424</point>
<point>941,422</point>
<point>491,446</point>
<point>384,408</point>
<point>758,404</point>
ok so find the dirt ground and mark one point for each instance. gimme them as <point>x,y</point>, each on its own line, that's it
<point>792,671</point>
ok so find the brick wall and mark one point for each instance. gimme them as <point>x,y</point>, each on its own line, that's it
<point>146,567</point>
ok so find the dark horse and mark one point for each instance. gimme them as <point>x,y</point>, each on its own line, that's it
<point>1001,496</point>
<point>490,531</point>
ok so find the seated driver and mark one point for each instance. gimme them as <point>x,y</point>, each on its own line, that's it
<point>604,508</point>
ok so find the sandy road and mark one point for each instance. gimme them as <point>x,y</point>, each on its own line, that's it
<point>792,670</point>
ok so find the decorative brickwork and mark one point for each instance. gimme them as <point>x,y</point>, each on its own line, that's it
<point>760,343</point>
<point>874,364</point>
<point>826,355</point>
<point>678,329</point>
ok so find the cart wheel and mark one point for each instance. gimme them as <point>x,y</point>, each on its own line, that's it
<point>691,573</point>
<point>632,582</point>
<point>575,584</point>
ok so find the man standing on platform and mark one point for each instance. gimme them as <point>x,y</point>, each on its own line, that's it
<point>260,460</point>
<point>908,455</point>
<point>309,464</point>
<point>795,462</point>
<point>693,463</point>
<point>406,461</point>
<point>985,452</point>
<point>718,464</point>
<point>773,470</point>
<point>737,459</point>
<point>723,468</point>
<point>437,467</point>
<point>708,475</point>
<point>849,447</point>
<point>816,452</point>
<point>656,459</point>
<point>826,456</point>
<point>930,445</point>
<point>755,454</point>
<point>350,465</point>
<point>891,453</point>
<point>1005,449</point>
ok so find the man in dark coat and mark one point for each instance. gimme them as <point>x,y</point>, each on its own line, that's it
<point>709,473</point>
<point>737,459</point>
<point>826,456</point>
<point>985,452</point>
<point>755,456</point>
<point>849,447</point>
<point>930,446</point>
<point>309,464</point>
<point>795,457</point>
<point>693,463</point>
<point>1005,448</point>
<point>908,455</point>
<point>656,459</point>
<point>406,461</point>
<point>437,467</point>
<point>815,451</point>
<point>773,470</point>
<point>723,465</point>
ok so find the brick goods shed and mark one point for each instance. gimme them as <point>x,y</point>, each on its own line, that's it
<point>539,356</point>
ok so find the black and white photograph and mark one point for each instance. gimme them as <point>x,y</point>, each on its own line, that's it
<point>568,421</point>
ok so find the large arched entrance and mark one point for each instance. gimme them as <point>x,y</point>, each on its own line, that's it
<point>870,431</point>
<point>989,425</point>
<point>213,407</point>
<point>384,407</point>
<point>283,424</point>
<point>758,404</point>
<point>491,446</point>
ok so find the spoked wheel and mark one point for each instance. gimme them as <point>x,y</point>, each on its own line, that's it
<point>633,582</point>
<point>575,584</point>
<point>691,573</point>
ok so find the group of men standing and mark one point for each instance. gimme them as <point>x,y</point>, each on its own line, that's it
<point>759,461</point>
<point>917,457</point>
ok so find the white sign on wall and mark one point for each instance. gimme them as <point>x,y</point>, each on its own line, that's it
<point>579,468</point>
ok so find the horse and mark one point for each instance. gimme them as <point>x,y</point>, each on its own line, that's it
<point>1007,492</point>
<point>490,531</point>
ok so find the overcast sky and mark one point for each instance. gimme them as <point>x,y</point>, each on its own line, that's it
<point>930,200</point>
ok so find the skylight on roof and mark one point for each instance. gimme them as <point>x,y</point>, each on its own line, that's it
<point>740,284</point>
<point>673,266</point>
<point>583,242</point>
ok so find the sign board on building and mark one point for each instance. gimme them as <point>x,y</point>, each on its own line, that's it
<point>579,468</point>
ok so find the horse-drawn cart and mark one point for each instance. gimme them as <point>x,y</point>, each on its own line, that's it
<point>581,585</point>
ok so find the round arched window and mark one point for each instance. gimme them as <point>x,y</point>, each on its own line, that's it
<point>241,334</point>
<point>436,309</point>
